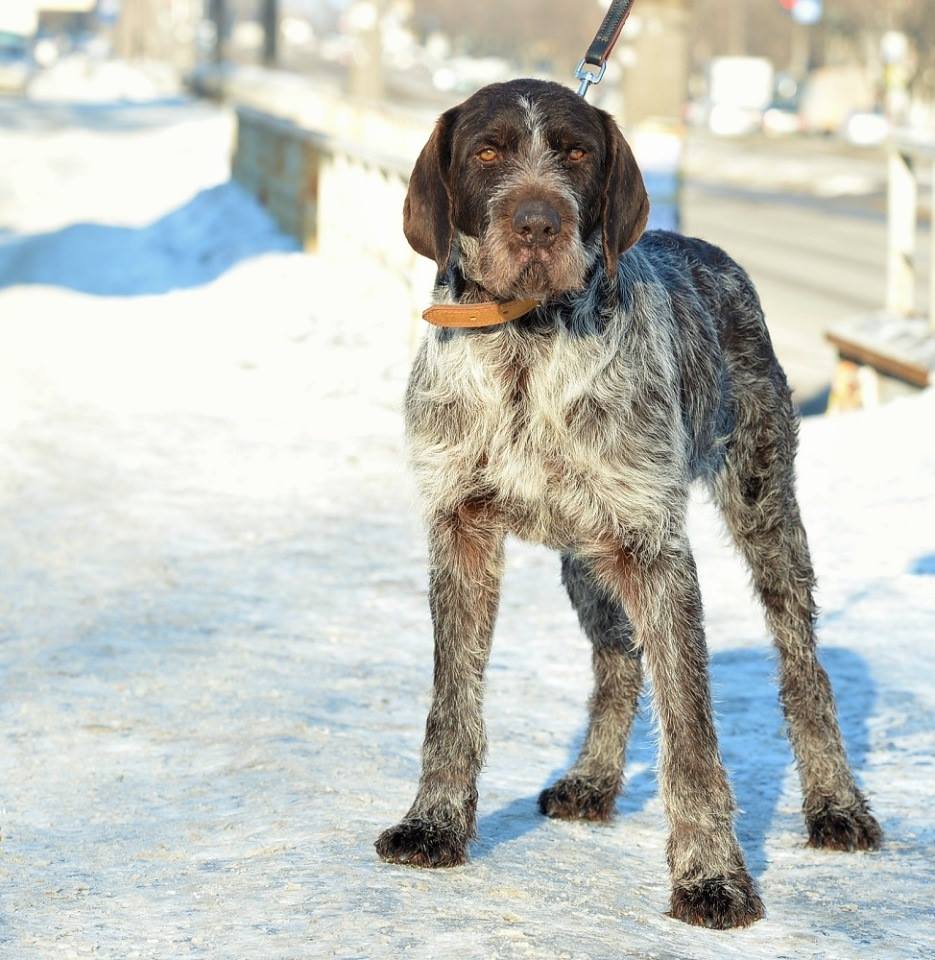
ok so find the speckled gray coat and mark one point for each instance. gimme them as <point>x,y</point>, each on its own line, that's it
<point>581,426</point>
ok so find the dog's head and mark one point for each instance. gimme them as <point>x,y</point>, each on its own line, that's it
<point>533,183</point>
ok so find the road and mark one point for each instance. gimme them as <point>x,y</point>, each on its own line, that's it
<point>816,259</point>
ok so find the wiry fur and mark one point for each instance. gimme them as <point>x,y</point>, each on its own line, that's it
<point>581,426</point>
<point>496,261</point>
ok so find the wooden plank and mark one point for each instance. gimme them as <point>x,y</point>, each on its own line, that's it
<point>893,366</point>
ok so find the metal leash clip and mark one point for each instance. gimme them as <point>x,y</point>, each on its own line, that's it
<point>587,77</point>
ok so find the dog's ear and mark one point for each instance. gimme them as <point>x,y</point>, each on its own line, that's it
<point>624,204</point>
<point>427,210</point>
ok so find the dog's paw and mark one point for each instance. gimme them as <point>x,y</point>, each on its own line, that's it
<point>718,902</point>
<point>844,828</point>
<point>422,843</point>
<point>574,798</point>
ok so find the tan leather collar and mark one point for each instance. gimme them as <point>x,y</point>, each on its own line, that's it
<point>485,314</point>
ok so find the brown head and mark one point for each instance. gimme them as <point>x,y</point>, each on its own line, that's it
<point>527,183</point>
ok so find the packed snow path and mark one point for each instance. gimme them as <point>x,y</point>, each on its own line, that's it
<point>216,650</point>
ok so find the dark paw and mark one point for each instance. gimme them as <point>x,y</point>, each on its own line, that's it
<point>574,798</point>
<point>422,843</point>
<point>844,828</point>
<point>719,903</point>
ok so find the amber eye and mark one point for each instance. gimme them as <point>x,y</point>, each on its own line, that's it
<point>576,154</point>
<point>487,155</point>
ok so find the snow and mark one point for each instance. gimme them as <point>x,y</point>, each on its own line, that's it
<point>89,78</point>
<point>214,635</point>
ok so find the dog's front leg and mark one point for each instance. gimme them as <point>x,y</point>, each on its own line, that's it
<point>466,547</point>
<point>710,883</point>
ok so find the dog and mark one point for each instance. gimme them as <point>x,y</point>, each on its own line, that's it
<point>646,366</point>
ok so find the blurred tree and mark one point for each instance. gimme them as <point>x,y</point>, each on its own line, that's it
<point>529,32</point>
<point>861,24</point>
<point>850,32</point>
<point>760,28</point>
<point>919,23</point>
<point>270,17</point>
<point>364,24</point>
<point>156,30</point>
<point>219,15</point>
<point>138,35</point>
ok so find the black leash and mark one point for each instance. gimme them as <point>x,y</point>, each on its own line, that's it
<point>601,46</point>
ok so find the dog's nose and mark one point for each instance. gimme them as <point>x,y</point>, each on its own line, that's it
<point>537,223</point>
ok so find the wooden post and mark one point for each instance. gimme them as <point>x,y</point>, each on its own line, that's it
<point>902,199</point>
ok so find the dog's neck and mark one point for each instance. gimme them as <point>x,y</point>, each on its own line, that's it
<point>597,297</point>
<point>599,294</point>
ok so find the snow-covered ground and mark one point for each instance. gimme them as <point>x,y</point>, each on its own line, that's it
<point>214,636</point>
<point>93,78</point>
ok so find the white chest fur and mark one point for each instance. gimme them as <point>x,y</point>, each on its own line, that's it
<point>544,427</point>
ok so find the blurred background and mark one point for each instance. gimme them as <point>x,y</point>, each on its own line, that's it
<point>215,644</point>
<point>775,128</point>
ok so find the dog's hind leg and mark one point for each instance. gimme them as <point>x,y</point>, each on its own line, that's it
<point>588,790</point>
<point>464,590</point>
<point>755,491</point>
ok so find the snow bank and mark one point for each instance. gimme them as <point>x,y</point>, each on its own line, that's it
<point>80,78</point>
<point>216,648</point>
<point>142,209</point>
<point>209,233</point>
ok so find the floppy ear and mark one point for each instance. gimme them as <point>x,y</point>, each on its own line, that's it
<point>427,210</point>
<point>625,204</point>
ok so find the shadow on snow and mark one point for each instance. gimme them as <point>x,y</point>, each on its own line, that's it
<point>754,747</point>
<point>193,245</point>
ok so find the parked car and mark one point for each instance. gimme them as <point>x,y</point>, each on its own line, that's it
<point>831,95</point>
<point>866,128</point>
<point>739,90</point>
<point>16,63</point>
<point>781,118</point>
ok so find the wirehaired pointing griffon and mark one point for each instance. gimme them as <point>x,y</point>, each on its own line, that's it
<point>580,425</point>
